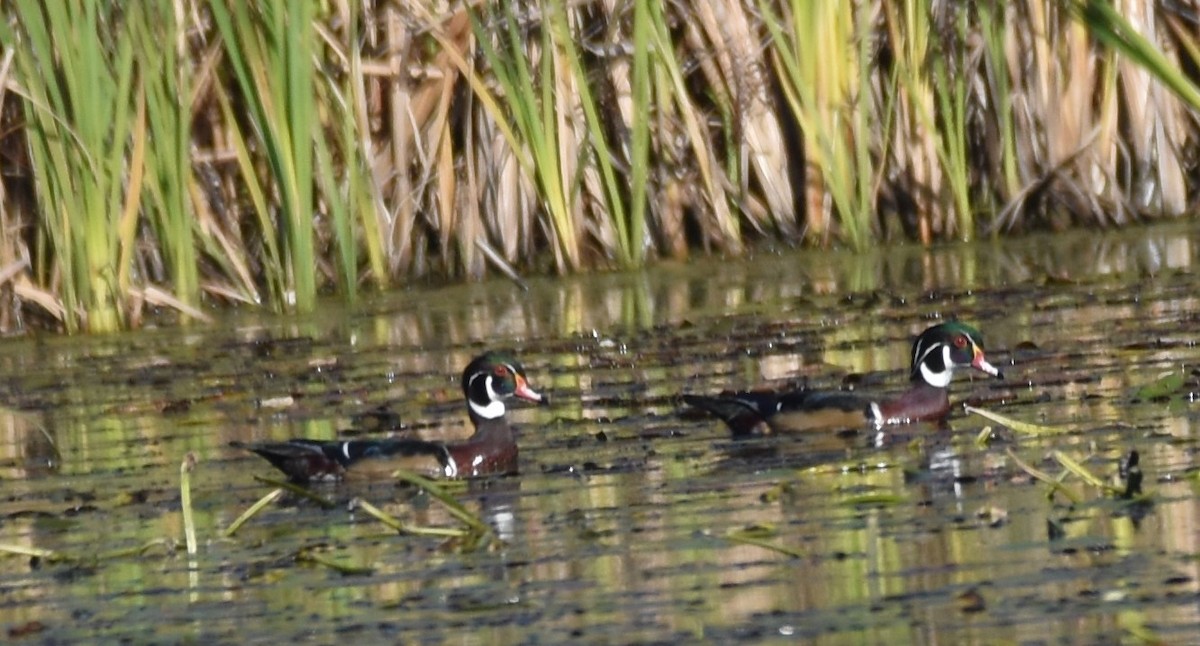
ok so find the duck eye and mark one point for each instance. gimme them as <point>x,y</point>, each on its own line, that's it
<point>960,341</point>
<point>501,371</point>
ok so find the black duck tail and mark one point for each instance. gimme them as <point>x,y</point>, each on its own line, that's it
<point>300,460</point>
<point>742,417</point>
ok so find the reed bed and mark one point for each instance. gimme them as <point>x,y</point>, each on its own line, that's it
<point>179,155</point>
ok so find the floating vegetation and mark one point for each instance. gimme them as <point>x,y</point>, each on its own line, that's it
<point>1070,464</point>
<point>298,490</point>
<point>471,537</point>
<point>1162,388</point>
<point>52,556</point>
<point>312,555</point>
<point>1017,425</point>
<point>873,500</point>
<point>1056,485</point>
<point>253,510</point>
<point>452,505</point>
<point>396,524</point>
<point>1129,470</point>
<point>36,552</point>
<point>758,536</point>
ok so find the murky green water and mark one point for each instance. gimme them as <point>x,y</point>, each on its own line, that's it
<point>622,527</point>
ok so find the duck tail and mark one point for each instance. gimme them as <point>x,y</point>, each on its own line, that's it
<point>742,417</point>
<point>300,460</point>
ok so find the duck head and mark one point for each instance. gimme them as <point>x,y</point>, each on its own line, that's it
<point>944,348</point>
<point>490,380</point>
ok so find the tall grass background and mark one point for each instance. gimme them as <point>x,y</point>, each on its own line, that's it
<point>183,154</point>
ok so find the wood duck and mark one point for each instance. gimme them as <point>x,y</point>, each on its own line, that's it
<point>936,354</point>
<point>487,382</point>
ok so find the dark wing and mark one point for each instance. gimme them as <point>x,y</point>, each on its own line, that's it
<point>745,413</point>
<point>303,459</point>
<point>760,413</point>
<point>816,400</point>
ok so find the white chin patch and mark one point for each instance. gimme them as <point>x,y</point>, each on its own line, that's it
<point>494,408</point>
<point>939,379</point>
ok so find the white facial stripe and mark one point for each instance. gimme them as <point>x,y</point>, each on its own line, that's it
<point>938,379</point>
<point>495,406</point>
<point>492,396</point>
<point>920,354</point>
<point>346,449</point>
<point>493,410</point>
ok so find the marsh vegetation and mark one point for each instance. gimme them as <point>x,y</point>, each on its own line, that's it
<point>168,157</point>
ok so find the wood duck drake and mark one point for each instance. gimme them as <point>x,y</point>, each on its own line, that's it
<point>487,382</point>
<point>936,354</point>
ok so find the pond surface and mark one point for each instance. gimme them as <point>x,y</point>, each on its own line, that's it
<point>633,522</point>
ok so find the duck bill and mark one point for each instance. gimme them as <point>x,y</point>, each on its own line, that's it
<point>525,392</point>
<point>981,364</point>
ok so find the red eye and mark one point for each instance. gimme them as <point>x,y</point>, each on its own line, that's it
<point>960,341</point>
<point>501,371</point>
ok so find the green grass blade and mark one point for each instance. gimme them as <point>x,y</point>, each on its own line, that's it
<point>270,52</point>
<point>1110,27</point>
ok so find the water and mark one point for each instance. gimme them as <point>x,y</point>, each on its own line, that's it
<point>632,522</point>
